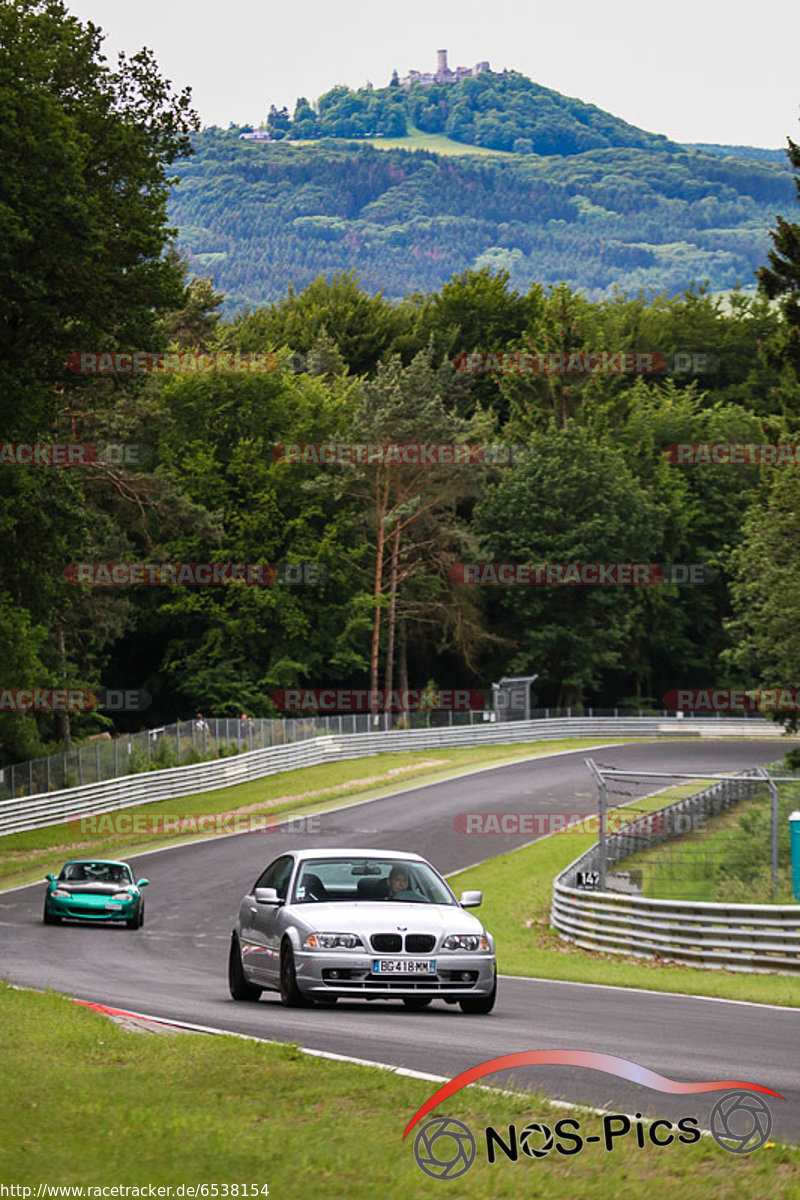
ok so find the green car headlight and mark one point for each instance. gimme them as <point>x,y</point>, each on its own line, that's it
<point>122,897</point>
<point>60,894</point>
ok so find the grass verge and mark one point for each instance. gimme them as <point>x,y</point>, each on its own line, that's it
<point>90,1103</point>
<point>517,890</point>
<point>25,857</point>
<point>417,139</point>
<point>722,861</point>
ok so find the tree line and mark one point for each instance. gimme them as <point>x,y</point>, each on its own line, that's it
<point>590,483</point>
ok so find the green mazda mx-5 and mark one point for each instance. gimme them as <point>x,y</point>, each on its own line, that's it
<point>91,889</point>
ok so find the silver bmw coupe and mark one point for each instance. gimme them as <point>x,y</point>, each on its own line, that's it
<point>363,924</point>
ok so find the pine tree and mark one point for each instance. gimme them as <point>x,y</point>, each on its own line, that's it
<point>782,277</point>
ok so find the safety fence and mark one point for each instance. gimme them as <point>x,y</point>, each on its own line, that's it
<point>743,937</point>
<point>186,742</point>
<point>50,808</point>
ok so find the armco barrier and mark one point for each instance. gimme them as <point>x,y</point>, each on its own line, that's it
<point>737,937</point>
<point>51,808</point>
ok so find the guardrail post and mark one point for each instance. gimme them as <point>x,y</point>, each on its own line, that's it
<point>602,804</point>
<point>773,788</point>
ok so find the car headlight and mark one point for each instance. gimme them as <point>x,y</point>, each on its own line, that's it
<point>465,941</point>
<point>333,941</point>
<point>122,897</point>
<point>60,894</point>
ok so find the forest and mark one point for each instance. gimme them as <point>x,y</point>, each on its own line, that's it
<point>500,111</point>
<point>90,265</point>
<point>261,216</point>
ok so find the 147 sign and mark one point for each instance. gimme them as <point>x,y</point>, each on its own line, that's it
<point>588,879</point>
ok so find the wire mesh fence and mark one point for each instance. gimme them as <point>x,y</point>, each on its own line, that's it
<point>203,739</point>
<point>199,740</point>
<point>726,842</point>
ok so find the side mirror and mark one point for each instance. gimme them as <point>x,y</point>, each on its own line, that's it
<point>266,896</point>
<point>50,878</point>
<point>471,899</point>
<point>143,883</point>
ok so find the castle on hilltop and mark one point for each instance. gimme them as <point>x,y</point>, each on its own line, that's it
<point>442,74</point>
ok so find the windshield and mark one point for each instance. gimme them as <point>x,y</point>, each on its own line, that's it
<point>95,872</point>
<point>369,879</point>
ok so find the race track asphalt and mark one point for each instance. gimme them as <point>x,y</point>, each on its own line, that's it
<point>175,967</point>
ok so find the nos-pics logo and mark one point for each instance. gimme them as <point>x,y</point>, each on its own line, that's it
<point>446,1148</point>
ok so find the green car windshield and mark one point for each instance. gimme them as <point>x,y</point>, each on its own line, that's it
<point>95,872</point>
<point>368,880</point>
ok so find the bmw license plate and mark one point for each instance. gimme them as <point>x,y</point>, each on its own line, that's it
<point>403,966</point>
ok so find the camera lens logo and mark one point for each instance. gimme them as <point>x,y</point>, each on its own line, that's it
<point>444,1148</point>
<point>526,1142</point>
<point>741,1122</point>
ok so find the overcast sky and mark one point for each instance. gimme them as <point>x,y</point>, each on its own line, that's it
<point>695,70</point>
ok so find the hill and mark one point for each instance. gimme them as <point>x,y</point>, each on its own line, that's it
<point>505,111</point>
<point>757,152</point>
<point>260,216</point>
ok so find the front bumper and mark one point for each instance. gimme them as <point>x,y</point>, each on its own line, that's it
<point>75,910</point>
<point>350,974</point>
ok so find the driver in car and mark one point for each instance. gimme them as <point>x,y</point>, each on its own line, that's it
<point>399,888</point>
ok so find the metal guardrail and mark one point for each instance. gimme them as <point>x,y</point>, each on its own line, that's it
<point>202,739</point>
<point>737,937</point>
<point>52,808</point>
<point>184,742</point>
